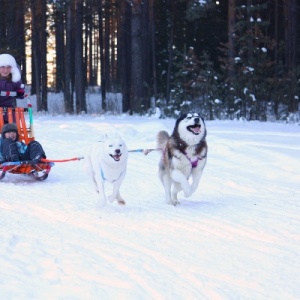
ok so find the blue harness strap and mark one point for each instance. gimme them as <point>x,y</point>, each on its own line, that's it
<point>102,174</point>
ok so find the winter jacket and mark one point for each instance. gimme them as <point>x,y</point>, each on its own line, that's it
<point>10,86</point>
<point>21,149</point>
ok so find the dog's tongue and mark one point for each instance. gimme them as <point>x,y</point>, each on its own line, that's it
<point>196,129</point>
<point>117,157</point>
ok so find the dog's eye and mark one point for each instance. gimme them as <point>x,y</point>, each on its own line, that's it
<point>120,145</point>
<point>188,116</point>
<point>110,145</point>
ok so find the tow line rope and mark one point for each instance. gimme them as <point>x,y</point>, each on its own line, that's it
<point>61,160</point>
<point>145,151</point>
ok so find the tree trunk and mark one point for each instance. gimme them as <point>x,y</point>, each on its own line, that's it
<point>59,49</point>
<point>43,50</point>
<point>68,70</point>
<point>19,37</point>
<point>290,12</point>
<point>106,78</point>
<point>170,51</point>
<point>102,64</point>
<point>136,60</point>
<point>36,59</point>
<point>79,78</point>
<point>124,48</point>
<point>153,48</point>
<point>3,23</point>
<point>231,30</point>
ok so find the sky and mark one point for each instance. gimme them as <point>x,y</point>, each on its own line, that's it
<point>236,237</point>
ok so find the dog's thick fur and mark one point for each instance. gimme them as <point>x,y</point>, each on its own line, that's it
<point>184,155</point>
<point>106,161</point>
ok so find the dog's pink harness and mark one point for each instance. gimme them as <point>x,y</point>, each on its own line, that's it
<point>193,163</point>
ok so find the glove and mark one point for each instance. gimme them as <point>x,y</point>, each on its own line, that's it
<point>20,93</point>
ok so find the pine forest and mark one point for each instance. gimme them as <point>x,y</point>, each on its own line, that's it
<point>225,59</point>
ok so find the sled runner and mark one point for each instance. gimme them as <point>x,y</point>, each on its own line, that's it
<point>38,170</point>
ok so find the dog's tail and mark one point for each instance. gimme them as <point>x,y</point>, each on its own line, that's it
<point>162,139</point>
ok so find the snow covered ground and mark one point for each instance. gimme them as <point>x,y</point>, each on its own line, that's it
<point>237,237</point>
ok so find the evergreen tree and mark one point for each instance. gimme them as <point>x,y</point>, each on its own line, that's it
<point>253,63</point>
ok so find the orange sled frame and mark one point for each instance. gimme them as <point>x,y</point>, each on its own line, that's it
<point>38,171</point>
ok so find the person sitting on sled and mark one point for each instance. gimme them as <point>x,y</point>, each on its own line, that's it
<point>14,150</point>
<point>10,81</point>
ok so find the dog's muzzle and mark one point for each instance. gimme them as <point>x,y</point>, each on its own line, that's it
<point>196,128</point>
<point>117,155</point>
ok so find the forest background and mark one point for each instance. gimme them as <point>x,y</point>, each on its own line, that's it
<point>226,59</point>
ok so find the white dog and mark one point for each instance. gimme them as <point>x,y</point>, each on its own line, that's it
<point>106,161</point>
<point>183,156</point>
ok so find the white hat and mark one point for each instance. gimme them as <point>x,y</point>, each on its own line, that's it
<point>8,60</point>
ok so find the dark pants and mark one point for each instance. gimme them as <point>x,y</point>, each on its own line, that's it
<point>10,151</point>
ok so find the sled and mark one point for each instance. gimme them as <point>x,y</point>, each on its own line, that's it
<point>37,170</point>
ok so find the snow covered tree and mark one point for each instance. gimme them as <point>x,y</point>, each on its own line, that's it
<point>252,66</point>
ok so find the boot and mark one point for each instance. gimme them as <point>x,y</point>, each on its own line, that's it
<point>35,151</point>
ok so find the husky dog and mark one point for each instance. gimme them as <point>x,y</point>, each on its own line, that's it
<point>106,161</point>
<point>183,156</point>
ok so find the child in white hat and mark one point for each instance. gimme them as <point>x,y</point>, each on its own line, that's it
<point>10,81</point>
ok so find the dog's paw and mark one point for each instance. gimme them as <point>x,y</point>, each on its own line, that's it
<point>174,202</point>
<point>188,192</point>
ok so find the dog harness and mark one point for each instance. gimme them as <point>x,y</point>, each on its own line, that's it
<point>103,176</point>
<point>195,162</point>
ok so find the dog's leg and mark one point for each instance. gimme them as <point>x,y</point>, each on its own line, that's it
<point>176,189</point>
<point>95,184</point>
<point>116,195</point>
<point>116,191</point>
<point>178,177</point>
<point>167,183</point>
<point>120,200</point>
<point>196,175</point>
<point>100,189</point>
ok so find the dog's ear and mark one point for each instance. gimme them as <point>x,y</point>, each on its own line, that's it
<point>103,137</point>
<point>111,136</point>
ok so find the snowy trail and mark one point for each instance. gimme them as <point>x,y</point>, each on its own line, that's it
<point>237,237</point>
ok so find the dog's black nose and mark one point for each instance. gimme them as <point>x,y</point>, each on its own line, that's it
<point>197,120</point>
<point>118,151</point>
